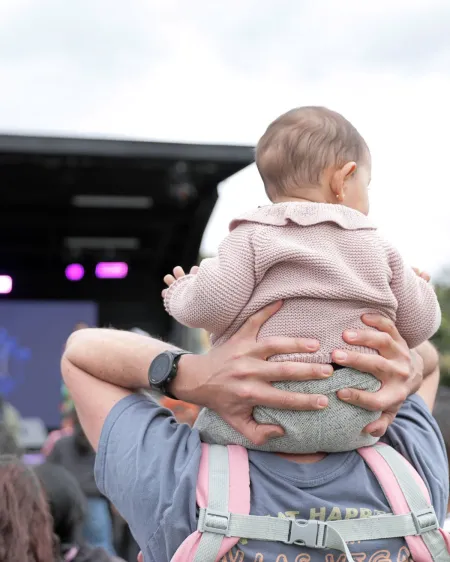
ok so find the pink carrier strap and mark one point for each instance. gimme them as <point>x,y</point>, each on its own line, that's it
<point>223,486</point>
<point>407,493</point>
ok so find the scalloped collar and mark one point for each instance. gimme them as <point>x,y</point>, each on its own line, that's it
<point>306,214</point>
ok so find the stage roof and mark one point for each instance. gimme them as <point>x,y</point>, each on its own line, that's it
<point>87,200</point>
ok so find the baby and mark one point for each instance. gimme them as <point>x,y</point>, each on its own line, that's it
<point>315,249</point>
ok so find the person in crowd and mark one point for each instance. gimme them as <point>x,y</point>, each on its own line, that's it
<point>68,509</point>
<point>75,454</point>
<point>10,417</point>
<point>66,429</point>
<point>148,465</point>
<point>442,414</point>
<point>316,249</point>
<point>8,442</point>
<point>26,533</point>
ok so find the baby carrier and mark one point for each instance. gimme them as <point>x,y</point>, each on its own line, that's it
<point>223,499</point>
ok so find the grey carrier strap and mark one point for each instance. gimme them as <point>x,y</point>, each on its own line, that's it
<point>217,511</point>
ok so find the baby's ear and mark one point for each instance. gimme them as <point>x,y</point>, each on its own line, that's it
<point>349,169</point>
<point>339,179</point>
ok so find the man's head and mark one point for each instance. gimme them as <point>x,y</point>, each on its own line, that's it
<point>314,153</point>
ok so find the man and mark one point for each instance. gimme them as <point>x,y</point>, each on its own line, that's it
<point>147,464</point>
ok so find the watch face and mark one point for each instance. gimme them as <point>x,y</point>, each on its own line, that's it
<point>160,368</point>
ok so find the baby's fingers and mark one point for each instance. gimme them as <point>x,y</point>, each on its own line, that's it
<point>178,272</point>
<point>169,280</point>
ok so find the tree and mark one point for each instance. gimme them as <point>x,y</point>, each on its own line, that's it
<point>442,337</point>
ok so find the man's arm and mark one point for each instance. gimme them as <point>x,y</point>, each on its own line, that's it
<point>431,375</point>
<point>101,366</point>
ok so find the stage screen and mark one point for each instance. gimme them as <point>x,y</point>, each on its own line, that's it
<point>32,337</point>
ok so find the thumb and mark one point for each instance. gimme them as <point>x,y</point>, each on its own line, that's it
<point>257,433</point>
<point>253,324</point>
<point>379,427</point>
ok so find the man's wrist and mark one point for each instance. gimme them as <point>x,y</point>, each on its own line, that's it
<point>183,386</point>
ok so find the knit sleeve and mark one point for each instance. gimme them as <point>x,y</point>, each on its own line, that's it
<point>216,294</point>
<point>418,311</point>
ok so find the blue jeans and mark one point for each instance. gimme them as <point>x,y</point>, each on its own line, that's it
<point>98,530</point>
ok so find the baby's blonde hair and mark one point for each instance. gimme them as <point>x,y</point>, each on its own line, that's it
<point>301,144</point>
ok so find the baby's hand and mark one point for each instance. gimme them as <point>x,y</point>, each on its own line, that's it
<point>422,274</point>
<point>178,273</point>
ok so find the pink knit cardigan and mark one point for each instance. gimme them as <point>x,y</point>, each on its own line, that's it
<point>326,262</point>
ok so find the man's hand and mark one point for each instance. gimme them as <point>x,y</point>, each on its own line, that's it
<point>178,273</point>
<point>399,370</point>
<point>234,378</point>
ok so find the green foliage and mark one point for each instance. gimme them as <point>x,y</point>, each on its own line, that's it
<point>442,338</point>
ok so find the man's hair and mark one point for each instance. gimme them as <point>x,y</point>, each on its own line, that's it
<point>298,146</point>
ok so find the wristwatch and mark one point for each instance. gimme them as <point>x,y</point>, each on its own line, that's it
<point>163,369</point>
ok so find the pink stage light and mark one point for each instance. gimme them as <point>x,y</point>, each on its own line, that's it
<point>74,272</point>
<point>6,284</point>
<point>111,270</point>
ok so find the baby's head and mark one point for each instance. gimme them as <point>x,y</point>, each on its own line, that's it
<point>315,154</point>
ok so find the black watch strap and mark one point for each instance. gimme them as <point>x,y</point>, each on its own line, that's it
<point>162,386</point>
<point>173,373</point>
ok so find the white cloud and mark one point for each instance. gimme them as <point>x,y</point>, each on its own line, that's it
<point>220,71</point>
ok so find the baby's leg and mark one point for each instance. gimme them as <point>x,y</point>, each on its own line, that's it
<point>334,429</point>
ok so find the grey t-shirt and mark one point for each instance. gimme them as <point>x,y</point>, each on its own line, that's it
<point>147,465</point>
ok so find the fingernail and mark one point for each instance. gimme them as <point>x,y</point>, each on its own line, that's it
<point>340,355</point>
<point>351,335</point>
<point>345,394</point>
<point>311,344</point>
<point>322,402</point>
<point>327,370</point>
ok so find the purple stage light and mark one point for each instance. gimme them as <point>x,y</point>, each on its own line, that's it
<point>111,270</point>
<point>6,284</point>
<point>74,272</point>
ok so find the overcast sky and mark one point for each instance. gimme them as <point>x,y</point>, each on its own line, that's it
<point>220,71</point>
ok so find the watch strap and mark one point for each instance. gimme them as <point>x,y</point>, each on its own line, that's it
<point>176,356</point>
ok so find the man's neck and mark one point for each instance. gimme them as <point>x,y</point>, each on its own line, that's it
<point>303,459</point>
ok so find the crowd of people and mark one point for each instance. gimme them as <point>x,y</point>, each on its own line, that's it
<point>53,511</point>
